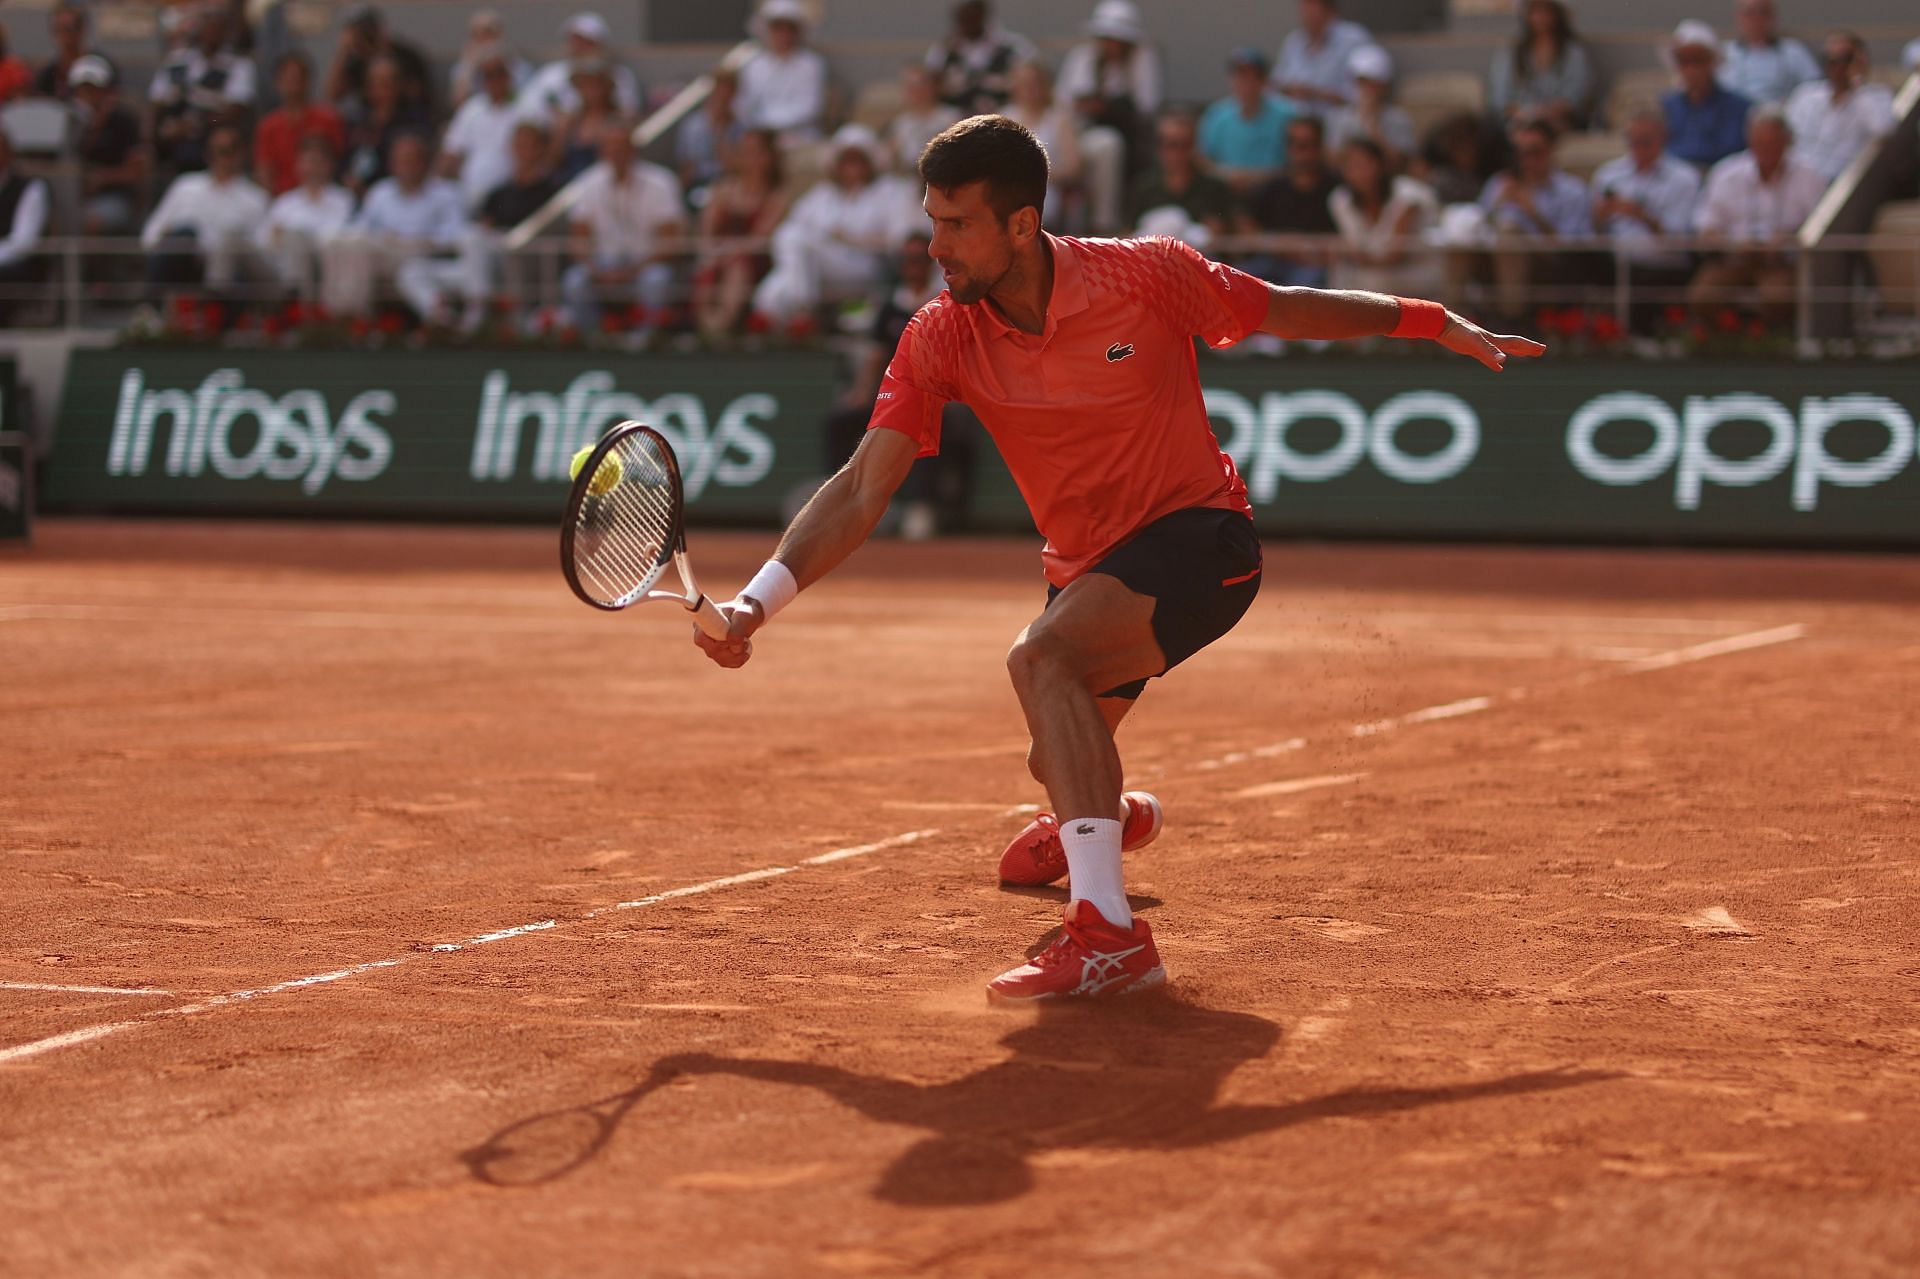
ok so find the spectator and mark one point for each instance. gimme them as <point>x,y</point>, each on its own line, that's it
<point>113,163</point>
<point>199,85</point>
<point>23,220</point>
<point>1298,202</point>
<point>407,215</point>
<point>1640,199</point>
<point>427,282</point>
<point>1032,103</point>
<point>277,142</point>
<point>1243,136</point>
<point>576,134</point>
<point>748,203</point>
<point>67,25</point>
<point>1535,200</point>
<point>551,94</point>
<point>1547,74</point>
<point>1204,201</point>
<point>1371,114</point>
<point>1910,56</point>
<point>627,225</point>
<point>937,493</point>
<point>205,223</point>
<point>783,87</point>
<point>302,221</point>
<point>478,149</point>
<point>1383,221</point>
<point>486,34</point>
<point>1112,80</point>
<point>1313,67</point>
<point>1835,119</point>
<point>922,116</point>
<point>382,116</point>
<point>1461,154</point>
<point>365,40</point>
<point>705,143</point>
<point>835,244</point>
<point>1760,64</point>
<point>15,79</point>
<point>1754,204</point>
<point>1705,122</point>
<point>974,64</point>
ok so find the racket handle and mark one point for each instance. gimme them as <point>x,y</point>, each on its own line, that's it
<point>708,619</point>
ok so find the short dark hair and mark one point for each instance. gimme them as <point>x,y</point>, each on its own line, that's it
<point>992,149</point>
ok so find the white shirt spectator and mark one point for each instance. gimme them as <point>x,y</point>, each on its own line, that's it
<point>317,215</point>
<point>481,134</point>
<point>910,132</point>
<point>29,224</point>
<point>624,218</point>
<point>551,93</point>
<point>883,212</point>
<point>218,213</point>
<point>189,75</point>
<point>1767,73</point>
<point>1827,134</point>
<point>1324,67</point>
<point>1083,75</point>
<point>432,213</point>
<point>1668,192</point>
<point>1739,206</point>
<point>1420,271</point>
<point>787,94</point>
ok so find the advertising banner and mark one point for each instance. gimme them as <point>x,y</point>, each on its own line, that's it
<point>1335,445</point>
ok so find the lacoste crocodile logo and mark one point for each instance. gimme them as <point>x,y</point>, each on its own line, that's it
<point>1118,352</point>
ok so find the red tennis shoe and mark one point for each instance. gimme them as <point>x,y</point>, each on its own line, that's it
<point>1036,856</point>
<point>1090,959</point>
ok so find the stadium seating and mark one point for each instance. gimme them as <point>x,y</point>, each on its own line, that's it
<point>1429,97</point>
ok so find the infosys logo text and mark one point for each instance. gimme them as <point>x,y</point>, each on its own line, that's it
<point>238,432</point>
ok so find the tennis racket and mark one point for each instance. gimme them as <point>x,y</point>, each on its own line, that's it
<point>626,521</point>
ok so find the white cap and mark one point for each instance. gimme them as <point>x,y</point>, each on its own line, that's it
<point>857,137</point>
<point>1116,20</point>
<point>90,69</point>
<point>1371,62</point>
<point>588,26</point>
<point>1694,33</point>
<point>1912,56</point>
<point>782,11</point>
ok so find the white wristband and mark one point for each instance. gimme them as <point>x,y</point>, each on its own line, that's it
<point>772,588</point>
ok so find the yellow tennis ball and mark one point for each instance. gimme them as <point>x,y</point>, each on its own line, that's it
<point>606,476</point>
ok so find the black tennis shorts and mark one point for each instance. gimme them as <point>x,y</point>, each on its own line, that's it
<point>1202,569</point>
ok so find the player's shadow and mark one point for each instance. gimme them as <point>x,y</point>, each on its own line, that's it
<point>1139,1074</point>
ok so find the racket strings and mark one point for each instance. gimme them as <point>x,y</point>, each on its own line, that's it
<point>624,535</point>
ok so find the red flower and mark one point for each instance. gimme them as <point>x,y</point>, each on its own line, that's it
<point>759,322</point>
<point>802,326</point>
<point>1727,321</point>
<point>1756,327</point>
<point>391,322</point>
<point>569,334</point>
<point>503,305</point>
<point>358,327</point>
<point>273,325</point>
<point>185,306</point>
<point>1606,328</point>
<point>294,314</point>
<point>1697,333</point>
<point>614,321</point>
<point>214,315</point>
<point>636,316</point>
<point>1674,316</point>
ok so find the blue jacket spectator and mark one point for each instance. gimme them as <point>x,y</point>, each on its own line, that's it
<point>1535,197</point>
<point>1760,64</point>
<point>1312,68</point>
<point>1244,135</point>
<point>1705,122</point>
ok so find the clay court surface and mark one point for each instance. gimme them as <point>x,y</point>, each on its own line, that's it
<point>369,906</point>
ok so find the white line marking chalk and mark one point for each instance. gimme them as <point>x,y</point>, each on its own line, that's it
<point>82,990</point>
<point>1297,785</point>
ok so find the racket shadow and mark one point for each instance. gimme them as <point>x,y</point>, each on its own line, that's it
<point>1142,1074</point>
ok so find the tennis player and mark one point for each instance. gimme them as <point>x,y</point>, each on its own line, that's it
<point>1078,357</point>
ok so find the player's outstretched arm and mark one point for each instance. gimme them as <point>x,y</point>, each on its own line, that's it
<point>830,527</point>
<point>1330,315</point>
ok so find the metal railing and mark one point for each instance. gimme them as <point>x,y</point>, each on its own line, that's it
<point>94,283</point>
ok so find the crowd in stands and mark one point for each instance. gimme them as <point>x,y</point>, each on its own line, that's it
<point>374,177</point>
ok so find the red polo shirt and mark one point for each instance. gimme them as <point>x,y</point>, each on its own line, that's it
<point>1099,416</point>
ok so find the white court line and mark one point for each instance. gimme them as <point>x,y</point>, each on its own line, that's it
<point>21,1052</point>
<point>1298,784</point>
<point>82,990</point>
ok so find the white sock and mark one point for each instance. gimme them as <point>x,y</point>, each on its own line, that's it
<point>1093,866</point>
